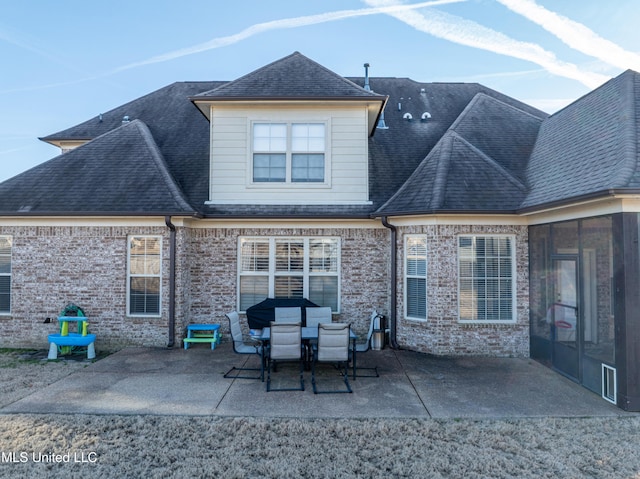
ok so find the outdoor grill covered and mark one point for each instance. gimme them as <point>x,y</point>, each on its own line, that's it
<point>260,315</point>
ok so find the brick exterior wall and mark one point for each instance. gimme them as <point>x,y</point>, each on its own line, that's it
<point>213,273</point>
<point>53,266</point>
<point>87,265</point>
<point>441,333</point>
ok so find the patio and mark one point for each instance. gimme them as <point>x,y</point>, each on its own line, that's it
<point>411,385</point>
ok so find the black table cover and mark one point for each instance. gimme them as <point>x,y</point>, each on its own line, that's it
<point>260,315</point>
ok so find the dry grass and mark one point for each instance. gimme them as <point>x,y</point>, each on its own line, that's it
<point>162,446</point>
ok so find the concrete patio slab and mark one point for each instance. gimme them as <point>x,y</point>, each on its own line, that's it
<point>178,382</point>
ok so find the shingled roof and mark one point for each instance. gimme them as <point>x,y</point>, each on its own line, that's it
<point>120,172</point>
<point>292,77</point>
<point>477,165</point>
<point>179,130</point>
<point>448,147</point>
<point>589,147</point>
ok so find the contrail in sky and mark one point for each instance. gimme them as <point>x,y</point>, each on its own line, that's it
<point>472,34</point>
<point>575,34</point>
<point>282,24</point>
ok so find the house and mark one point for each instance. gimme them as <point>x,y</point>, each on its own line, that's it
<point>478,224</point>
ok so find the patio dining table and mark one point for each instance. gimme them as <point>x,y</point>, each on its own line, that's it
<point>308,333</point>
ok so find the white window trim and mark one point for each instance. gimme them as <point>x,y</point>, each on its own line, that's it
<point>514,289</point>
<point>271,274</point>
<point>10,275</point>
<point>129,276</point>
<point>288,183</point>
<point>406,276</point>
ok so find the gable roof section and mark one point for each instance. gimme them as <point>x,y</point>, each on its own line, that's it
<point>292,77</point>
<point>589,147</point>
<point>181,133</point>
<point>476,166</point>
<point>120,172</point>
<point>395,153</point>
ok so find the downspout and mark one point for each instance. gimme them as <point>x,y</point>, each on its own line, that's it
<point>394,288</point>
<point>172,281</point>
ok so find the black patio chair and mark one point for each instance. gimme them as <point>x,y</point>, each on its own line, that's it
<point>240,347</point>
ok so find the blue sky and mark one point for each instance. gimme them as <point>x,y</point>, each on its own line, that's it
<point>66,62</point>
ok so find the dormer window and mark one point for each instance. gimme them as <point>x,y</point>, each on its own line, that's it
<point>289,152</point>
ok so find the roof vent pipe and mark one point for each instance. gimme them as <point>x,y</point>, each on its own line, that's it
<point>381,124</point>
<point>125,119</point>
<point>366,77</point>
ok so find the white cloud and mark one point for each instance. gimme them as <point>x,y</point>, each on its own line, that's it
<point>279,25</point>
<point>575,34</point>
<point>466,32</point>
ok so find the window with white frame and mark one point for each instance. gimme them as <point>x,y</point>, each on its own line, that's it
<point>144,275</point>
<point>289,152</point>
<point>302,267</point>
<point>486,278</point>
<point>415,280</point>
<point>5,274</point>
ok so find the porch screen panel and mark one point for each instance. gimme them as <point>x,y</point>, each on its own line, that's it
<point>5,274</point>
<point>144,275</point>
<point>486,278</point>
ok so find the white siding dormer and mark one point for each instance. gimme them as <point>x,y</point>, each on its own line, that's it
<point>289,154</point>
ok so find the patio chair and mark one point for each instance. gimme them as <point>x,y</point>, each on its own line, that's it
<point>285,344</point>
<point>318,315</point>
<point>333,347</point>
<point>240,347</point>
<point>314,317</point>
<point>366,346</point>
<point>288,315</point>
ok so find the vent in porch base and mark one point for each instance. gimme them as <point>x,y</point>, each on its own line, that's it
<point>609,388</point>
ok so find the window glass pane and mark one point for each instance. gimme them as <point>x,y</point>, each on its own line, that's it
<point>254,256</point>
<point>144,296</point>
<point>323,255</point>
<point>323,291</point>
<point>416,298</point>
<point>269,137</point>
<point>5,264</point>
<point>144,271</point>
<point>416,257</point>
<point>5,294</point>
<point>5,245</point>
<point>269,168</point>
<point>307,137</point>
<point>307,168</point>
<point>289,255</point>
<point>485,275</point>
<point>253,289</point>
<point>289,286</point>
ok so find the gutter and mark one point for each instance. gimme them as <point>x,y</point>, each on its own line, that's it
<point>172,281</point>
<point>394,288</point>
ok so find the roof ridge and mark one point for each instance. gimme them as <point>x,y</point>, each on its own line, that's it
<point>629,132</point>
<point>439,191</point>
<point>174,190</point>
<point>489,160</point>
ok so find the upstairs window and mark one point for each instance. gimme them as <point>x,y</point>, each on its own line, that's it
<point>289,152</point>
<point>5,274</point>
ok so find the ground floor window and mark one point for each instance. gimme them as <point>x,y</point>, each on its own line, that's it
<point>5,274</point>
<point>144,275</point>
<point>486,275</point>
<point>301,267</point>
<point>415,281</point>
